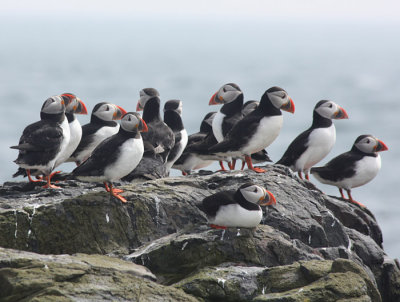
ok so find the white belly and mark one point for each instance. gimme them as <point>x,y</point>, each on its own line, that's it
<point>234,215</point>
<point>99,136</point>
<point>182,146</point>
<point>320,143</point>
<point>75,137</point>
<point>131,153</point>
<point>267,131</point>
<point>217,126</point>
<point>63,154</point>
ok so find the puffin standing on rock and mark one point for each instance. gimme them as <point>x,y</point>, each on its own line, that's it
<point>102,125</point>
<point>239,208</point>
<point>312,145</point>
<point>42,143</point>
<point>160,137</point>
<point>230,113</point>
<point>116,156</point>
<point>258,129</point>
<point>353,168</point>
<point>173,118</point>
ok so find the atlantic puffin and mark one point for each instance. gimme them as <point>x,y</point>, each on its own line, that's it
<point>353,168</point>
<point>258,129</point>
<point>116,156</point>
<point>102,125</point>
<point>173,118</point>
<point>231,97</point>
<point>43,142</point>
<point>312,145</point>
<point>160,136</point>
<point>190,159</point>
<point>239,208</point>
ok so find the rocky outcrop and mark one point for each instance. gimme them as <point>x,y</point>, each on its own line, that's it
<point>318,242</point>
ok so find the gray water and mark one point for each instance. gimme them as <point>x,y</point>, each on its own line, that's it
<point>355,65</point>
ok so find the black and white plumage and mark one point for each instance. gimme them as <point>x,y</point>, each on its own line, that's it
<point>230,113</point>
<point>239,208</point>
<point>312,145</point>
<point>116,156</point>
<point>353,168</point>
<point>190,158</point>
<point>42,142</point>
<point>258,129</point>
<point>160,137</point>
<point>102,125</point>
<point>173,118</point>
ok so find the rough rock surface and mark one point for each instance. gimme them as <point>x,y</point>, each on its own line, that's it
<point>306,236</point>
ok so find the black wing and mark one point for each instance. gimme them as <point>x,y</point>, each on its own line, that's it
<point>87,137</point>
<point>211,204</point>
<point>296,148</point>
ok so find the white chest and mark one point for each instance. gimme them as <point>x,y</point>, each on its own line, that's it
<point>267,131</point>
<point>366,170</point>
<point>234,215</point>
<point>129,156</point>
<point>217,126</point>
<point>63,154</point>
<point>320,143</point>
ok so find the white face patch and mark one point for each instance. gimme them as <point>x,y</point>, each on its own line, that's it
<point>278,98</point>
<point>228,93</point>
<point>367,144</point>
<point>129,122</point>
<point>253,193</point>
<point>106,112</point>
<point>327,109</point>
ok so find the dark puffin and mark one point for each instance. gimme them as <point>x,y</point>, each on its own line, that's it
<point>116,156</point>
<point>258,129</point>
<point>353,168</point>
<point>231,96</point>
<point>73,105</point>
<point>312,145</point>
<point>239,208</point>
<point>160,137</point>
<point>173,118</point>
<point>102,125</point>
<point>190,159</point>
<point>43,142</point>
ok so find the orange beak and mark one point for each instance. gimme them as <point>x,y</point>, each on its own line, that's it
<point>143,126</point>
<point>213,100</point>
<point>139,106</point>
<point>81,109</point>
<point>269,198</point>
<point>119,113</point>
<point>380,146</point>
<point>341,114</point>
<point>288,106</point>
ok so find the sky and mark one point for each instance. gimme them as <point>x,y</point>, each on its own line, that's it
<point>349,10</point>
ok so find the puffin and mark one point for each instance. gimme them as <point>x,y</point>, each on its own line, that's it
<point>173,118</point>
<point>239,208</point>
<point>102,125</point>
<point>42,143</point>
<point>231,96</point>
<point>353,168</point>
<point>190,159</point>
<point>160,137</point>
<point>73,105</point>
<point>258,129</point>
<point>312,145</point>
<point>116,156</point>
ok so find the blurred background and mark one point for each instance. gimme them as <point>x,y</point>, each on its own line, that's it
<point>348,52</point>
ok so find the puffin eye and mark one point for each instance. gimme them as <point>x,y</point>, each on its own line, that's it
<point>330,106</point>
<point>283,96</point>
<point>368,141</point>
<point>255,190</point>
<point>107,108</point>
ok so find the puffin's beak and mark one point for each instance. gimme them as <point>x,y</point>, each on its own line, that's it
<point>81,108</point>
<point>288,106</point>
<point>139,106</point>
<point>214,100</point>
<point>340,114</point>
<point>119,113</point>
<point>380,146</point>
<point>143,126</point>
<point>268,199</point>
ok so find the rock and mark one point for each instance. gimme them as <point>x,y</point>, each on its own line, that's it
<point>162,227</point>
<point>29,276</point>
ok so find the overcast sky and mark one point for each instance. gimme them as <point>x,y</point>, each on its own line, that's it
<point>371,10</point>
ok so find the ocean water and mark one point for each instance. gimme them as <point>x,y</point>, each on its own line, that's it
<point>109,59</point>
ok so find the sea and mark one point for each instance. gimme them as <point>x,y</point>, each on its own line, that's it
<point>353,63</point>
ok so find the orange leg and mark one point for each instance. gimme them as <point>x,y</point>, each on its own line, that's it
<point>243,164</point>
<point>114,192</point>
<point>341,193</point>
<point>221,163</point>
<point>184,173</point>
<point>28,172</point>
<point>353,201</point>
<point>250,165</point>
<point>49,185</point>
<point>300,175</point>
<point>307,176</point>
<point>218,227</point>
<point>232,164</point>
